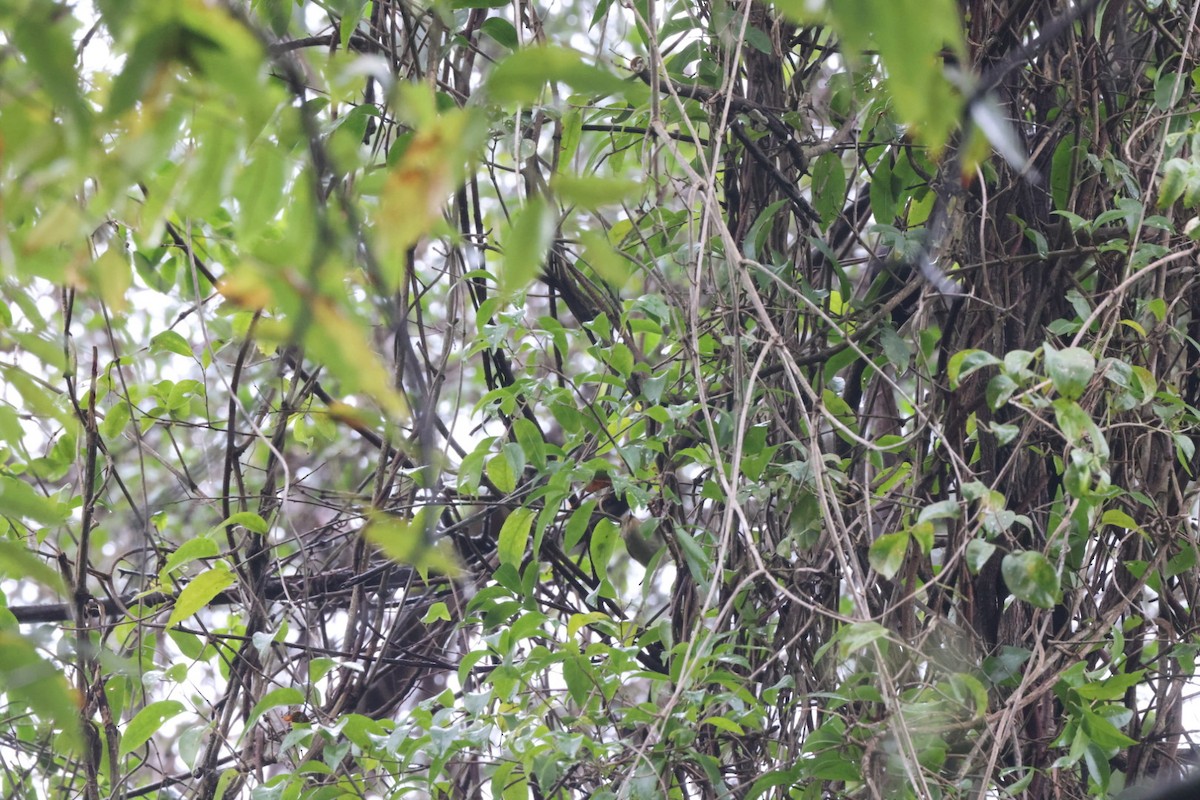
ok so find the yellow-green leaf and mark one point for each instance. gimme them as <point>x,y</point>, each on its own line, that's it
<point>19,499</point>
<point>16,561</point>
<point>30,680</point>
<point>514,536</point>
<point>725,724</point>
<point>887,553</point>
<point>199,592</point>
<point>593,191</point>
<point>521,77</point>
<point>283,696</point>
<point>146,723</point>
<point>409,540</point>
<point>525,246</point>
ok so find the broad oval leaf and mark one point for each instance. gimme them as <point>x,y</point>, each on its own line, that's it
<point>887,553</point>
<point>1070,370</point>
<point>964,362</point>
<point>1031,577</point>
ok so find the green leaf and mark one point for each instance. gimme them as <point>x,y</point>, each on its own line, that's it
<point>526,244</point>
<point>30,680</point>
<point>887,553</point>
<point>1113,688</point>
<point>577,524</point>
<point>16,561</point>
<point>500,473</point>
<point>1062,173</point>
<point>283,696</point>
<point>1073,421</point>
<point>602,543</point>
<point>1168,88</point>
<point>19,499</point>
<point>600,255</point>
<point>945,509</point>
<point>437,611</point>
<point>352,13</point>
<point>964,362</point>
<point>978,553</point>
<point>1117,517</point>
<point>577,674</point>
<point>594,191</point>
<point>857,635</point>
<point>514,536</point>
<point>1104,734</point>
<point>828,187</point>
<point>199,592</point>
<point>779,777</point>
<point>409,540</point>
<point>1176,175</point>
<point>42,35</point>
<point>1003,433</point>
<point>248,520</point>
<point>191,550</point>
<point>258,189</point>
<point>532,445</point>
<point>115,421</point>
<point>999,389</point>
<point>577,622</point>
<point>521,77</point>
<point>724,724</point>
<point>1070,369</point>
<point>909,36</point>
<point>147,722</point>
<point>10,425</point>
<point>883,195</point>
<point>500,30</point>
<point>1031,577</point>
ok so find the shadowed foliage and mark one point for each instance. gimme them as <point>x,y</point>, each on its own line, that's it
<point>633,400</point>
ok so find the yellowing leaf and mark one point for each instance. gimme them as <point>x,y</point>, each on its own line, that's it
<point>429,169</point>
<point>342,346</point>
<point>246,289</point>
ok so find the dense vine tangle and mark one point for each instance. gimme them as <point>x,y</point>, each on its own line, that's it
<point>801,365</point>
